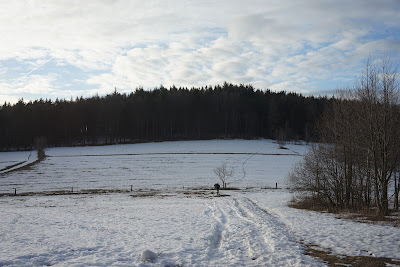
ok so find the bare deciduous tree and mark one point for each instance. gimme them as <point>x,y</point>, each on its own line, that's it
<point>379,116</point>
<point>358,159</point>
<point>224,173</point>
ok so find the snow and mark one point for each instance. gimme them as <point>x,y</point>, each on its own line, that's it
<point>148,256</point>
<point>344,237</point>
<point>157,165</point>
<point>206,146</point>
<point>172,217</point>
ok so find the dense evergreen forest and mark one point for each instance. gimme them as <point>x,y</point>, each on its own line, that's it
<point>222,111</point>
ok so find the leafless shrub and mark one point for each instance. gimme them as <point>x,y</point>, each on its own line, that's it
<point>224,173</point>
<point>360,154</point>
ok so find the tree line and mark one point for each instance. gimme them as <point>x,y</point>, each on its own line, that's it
<point>356,164</point>
<point>161,114</point>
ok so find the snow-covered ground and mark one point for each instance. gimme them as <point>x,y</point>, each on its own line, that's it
<point>170,211</point>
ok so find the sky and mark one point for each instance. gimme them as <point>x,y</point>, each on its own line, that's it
<point>67,49</point>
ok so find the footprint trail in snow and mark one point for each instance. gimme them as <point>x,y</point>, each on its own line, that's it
<point>246,234</point>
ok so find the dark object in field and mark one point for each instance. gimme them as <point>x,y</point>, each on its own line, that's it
<point>217,186</point>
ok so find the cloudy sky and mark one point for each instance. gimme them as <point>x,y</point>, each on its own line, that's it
<point>64,49</point>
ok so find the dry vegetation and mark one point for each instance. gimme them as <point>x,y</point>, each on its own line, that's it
<point>363,216</point>
<point>334,260</point>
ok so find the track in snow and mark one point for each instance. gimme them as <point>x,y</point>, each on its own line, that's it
<point>246,234</point>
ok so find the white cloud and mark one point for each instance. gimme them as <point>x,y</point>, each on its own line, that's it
<point>7,98</point>
<point>29,88</point>
<point>183,66</point>
<point>271,44</point>
<point>35,84</point>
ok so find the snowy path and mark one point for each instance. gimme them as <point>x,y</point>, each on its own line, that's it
<point>246,235</point>
<point>10,161</point>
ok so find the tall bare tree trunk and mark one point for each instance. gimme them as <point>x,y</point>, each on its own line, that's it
<point>396,190</point>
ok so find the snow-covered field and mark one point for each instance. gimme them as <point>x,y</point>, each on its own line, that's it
<point>156,166</point>
<point>170,210</point>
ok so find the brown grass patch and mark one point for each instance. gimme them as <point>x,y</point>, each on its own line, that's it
<point>229,189</point>
<point>146,194</point>
<point>101,191</point>
<point>334,260</point>
<point>363,216</point>
<point>307,204</point>
<point>141,193</point>
<point>371,218</point>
